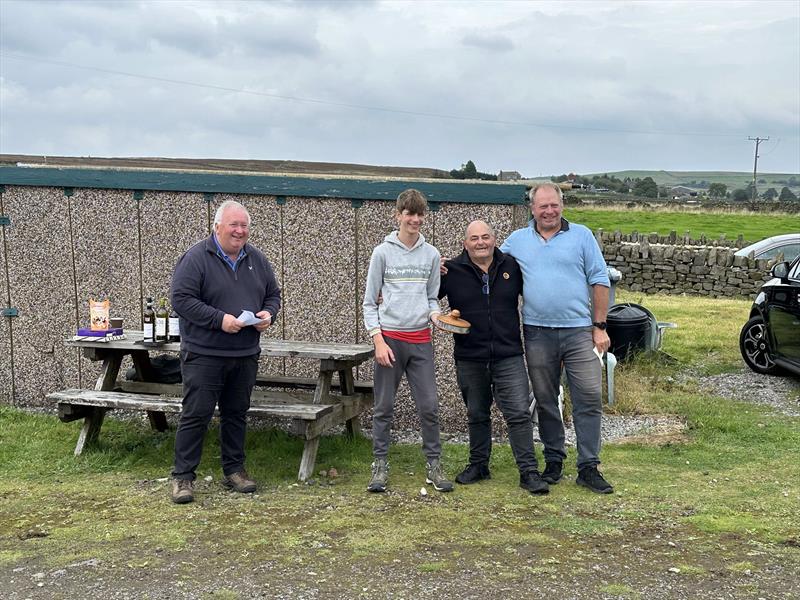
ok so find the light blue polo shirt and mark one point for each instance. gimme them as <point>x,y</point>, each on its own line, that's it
<point>557,274</point>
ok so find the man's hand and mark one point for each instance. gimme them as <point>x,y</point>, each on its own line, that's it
<point>442,268</point>
<point>231,324</point>
<point>435,319</point>
<point>601,340</point>
<point>264,314</point>
<point>383,354</point>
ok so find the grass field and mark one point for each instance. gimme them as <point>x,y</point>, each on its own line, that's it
<point>753,227</point>
<point>710,511</point>
<point>733,179</point>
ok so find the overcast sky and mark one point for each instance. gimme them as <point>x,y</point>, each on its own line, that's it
<point>537,87</point>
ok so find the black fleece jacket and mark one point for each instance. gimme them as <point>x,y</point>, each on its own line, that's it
<point>204,289</point>
<point>494,317</point>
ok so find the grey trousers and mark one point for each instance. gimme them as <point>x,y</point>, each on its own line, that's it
<point>545,349</point>
<point>416,361</point>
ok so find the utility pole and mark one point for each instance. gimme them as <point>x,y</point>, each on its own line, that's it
<point>757,140</point>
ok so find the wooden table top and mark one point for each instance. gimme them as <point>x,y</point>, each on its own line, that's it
<point>269,347</point>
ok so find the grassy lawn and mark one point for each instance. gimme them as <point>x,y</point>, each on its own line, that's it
<point>753,227</point>
<point>714,508</point>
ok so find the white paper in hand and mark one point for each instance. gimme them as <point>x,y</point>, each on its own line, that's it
<point>598,354</point>
<point>248,318</point>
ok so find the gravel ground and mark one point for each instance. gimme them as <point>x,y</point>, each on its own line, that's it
<point>782,393</point>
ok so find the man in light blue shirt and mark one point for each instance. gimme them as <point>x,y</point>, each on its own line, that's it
<point>562,324</point>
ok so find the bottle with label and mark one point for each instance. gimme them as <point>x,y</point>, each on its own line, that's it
<point>174,329</point>
<point>149,323</point>
<point>162,319</point>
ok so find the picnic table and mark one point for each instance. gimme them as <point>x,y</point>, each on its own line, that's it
<point>312,404</point>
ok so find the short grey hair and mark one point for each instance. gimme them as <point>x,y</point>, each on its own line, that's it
<point>546,184</point>
<point>225,206</point>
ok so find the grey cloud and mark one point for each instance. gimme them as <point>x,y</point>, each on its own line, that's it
<point>493,42</point>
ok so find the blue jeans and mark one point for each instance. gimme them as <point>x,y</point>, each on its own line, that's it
<point>546,348</point>
<point>506,382</point>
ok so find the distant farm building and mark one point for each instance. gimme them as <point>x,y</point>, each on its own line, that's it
<point>681,191</point>
<point>509,176</point>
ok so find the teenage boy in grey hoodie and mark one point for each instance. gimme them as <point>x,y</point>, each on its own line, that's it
<point>404,273</point>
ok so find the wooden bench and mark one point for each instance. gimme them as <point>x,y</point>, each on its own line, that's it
<point>308,403</point>
<point>307,420</point>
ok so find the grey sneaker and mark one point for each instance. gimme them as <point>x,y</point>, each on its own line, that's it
<point>380,476</point>
<point>435,476</point>
<point>182,491</point>
<point>239,482</point>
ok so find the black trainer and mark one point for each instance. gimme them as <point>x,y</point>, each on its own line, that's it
<point>553,472</point>
<point>532,481</point>
<point>590,477</point>
<point>473,474</point>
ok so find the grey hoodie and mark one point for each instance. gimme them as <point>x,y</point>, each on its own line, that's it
<point>408,280</point>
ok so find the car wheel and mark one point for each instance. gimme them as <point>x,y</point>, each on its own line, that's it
<point>754,347</point>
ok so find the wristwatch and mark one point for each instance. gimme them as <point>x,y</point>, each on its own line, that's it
<point>601,325</point>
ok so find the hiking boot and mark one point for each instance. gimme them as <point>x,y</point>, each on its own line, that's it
<point>473,473</point>
<point>436,477</point>
<point>380,476</point>
<point>182,491</point>
<point>552,472</point>
<point>532,481</point>
<point>590,477</point>
<point>239,482</point>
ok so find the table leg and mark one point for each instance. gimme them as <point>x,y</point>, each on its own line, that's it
<point>323,388</point>
<point>95,415</point>
<point>91,428</point>
<point>145,372</point>
<point>309,459</point>
<point>347,383</point>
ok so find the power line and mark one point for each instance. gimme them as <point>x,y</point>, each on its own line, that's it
<point>361,106</point>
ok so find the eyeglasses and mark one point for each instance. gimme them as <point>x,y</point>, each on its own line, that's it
<point>485,280</point>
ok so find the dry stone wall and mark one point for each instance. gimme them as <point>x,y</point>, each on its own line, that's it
<point>671,265</point>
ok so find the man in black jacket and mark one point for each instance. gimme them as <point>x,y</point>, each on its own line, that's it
<point>485,285</point>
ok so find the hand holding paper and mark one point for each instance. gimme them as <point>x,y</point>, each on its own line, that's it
<point>248,318</point>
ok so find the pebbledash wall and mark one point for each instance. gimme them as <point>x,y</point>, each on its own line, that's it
<point>70,234</point>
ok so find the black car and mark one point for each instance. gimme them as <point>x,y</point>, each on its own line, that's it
<point>770,340</point>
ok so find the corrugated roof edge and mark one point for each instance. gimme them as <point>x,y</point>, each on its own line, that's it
<point>319,186</point>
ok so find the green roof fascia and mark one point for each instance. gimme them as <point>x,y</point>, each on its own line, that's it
<point>307,187</point>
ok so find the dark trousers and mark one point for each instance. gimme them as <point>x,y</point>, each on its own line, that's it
<point>506,382</point>
<point>210,381</point>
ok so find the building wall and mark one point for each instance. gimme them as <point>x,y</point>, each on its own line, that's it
<point>63,249</point>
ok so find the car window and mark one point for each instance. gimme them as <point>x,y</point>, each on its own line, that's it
<point>794,272</point>
<point>790,252</point>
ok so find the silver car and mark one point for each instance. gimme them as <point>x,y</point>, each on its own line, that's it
<point>770,247</point>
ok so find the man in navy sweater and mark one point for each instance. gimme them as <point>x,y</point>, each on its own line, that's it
<point>215,280</point>
<point>485,285</point>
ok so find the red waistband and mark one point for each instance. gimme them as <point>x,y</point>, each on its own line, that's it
<point>423,336</point>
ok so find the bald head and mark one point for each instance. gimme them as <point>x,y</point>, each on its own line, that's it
<point>478,228</point>
<point>479,242</point>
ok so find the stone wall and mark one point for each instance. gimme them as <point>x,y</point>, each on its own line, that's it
<point>671,265</point>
